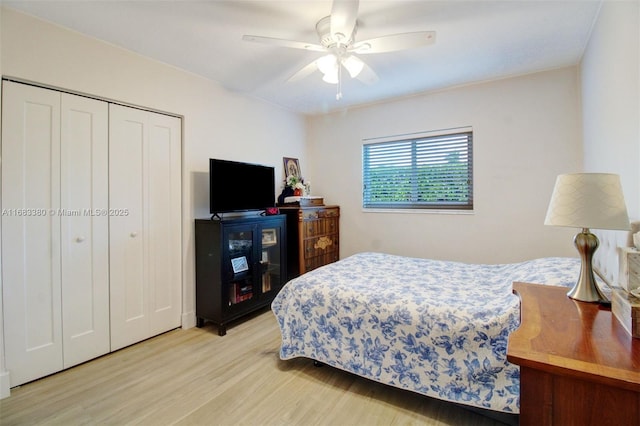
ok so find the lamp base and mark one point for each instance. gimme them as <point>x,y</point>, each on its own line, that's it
<point>586,289</point>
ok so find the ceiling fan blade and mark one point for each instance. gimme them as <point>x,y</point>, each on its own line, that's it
<point>303,72</point>
<point>367,75</point>
<point>344,14</point>
<point>394,42</point>
<point>284,43</point>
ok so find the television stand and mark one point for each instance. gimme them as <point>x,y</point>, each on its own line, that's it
<point>241,265</point>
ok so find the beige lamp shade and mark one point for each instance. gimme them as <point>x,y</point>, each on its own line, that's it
<point>588,200</point>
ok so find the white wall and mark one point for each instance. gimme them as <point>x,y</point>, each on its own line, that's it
<point>216,123</point>
<point>526,130</point>
<point>610,72</point>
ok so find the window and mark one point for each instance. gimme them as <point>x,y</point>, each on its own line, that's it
<point>432,171</point>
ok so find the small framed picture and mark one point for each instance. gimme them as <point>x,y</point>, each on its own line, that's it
<point>269,237</point>
<point>291,167</point>
<point>239,264</point>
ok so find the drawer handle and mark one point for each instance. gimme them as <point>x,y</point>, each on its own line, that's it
<point>80,239</point>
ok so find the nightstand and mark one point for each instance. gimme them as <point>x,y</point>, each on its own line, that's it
<point>578,366</point>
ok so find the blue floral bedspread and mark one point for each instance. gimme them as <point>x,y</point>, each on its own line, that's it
<point>438,328</point>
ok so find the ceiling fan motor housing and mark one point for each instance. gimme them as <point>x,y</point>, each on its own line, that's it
<point>323,28</point>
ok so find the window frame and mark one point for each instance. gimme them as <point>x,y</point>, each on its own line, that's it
<point>424,147</point>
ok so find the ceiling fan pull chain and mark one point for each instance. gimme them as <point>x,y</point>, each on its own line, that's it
<point>339,86</point>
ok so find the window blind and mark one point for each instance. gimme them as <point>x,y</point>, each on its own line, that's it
<point>430,172</point>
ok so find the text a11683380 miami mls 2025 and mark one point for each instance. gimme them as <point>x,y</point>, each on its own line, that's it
<point>43,212</point>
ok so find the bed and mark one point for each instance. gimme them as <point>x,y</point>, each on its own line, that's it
<point>438,328</point>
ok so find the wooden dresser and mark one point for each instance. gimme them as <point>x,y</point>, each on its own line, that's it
<point>313,237</point>
<point>578,366</point>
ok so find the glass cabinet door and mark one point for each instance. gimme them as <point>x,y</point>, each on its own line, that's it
<point>270,259</point>
<point>239,264</point>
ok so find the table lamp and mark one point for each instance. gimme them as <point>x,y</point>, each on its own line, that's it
<point>587,200</point>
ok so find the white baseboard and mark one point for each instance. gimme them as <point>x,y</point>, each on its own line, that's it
<point>188,320</point>
<point>5,386</point>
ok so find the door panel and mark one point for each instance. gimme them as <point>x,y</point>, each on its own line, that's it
<point>146,247</point>
<point>31,231</point>
<point>129,291</point>
<point>85,229</point>
<point>163,222</point>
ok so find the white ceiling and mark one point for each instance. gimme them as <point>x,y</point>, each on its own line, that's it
<point>476,40</point>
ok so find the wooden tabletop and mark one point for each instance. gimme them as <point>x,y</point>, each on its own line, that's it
<point>561,335</point>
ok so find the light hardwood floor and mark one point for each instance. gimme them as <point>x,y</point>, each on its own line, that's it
<point>195,377</point>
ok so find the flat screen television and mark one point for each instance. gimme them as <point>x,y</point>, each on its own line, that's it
<point>238,186</point>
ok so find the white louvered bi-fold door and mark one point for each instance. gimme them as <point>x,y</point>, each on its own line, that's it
<point>145,236</point>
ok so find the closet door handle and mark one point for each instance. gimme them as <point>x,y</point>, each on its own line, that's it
<point>80,239</point>
<point>133,234</point>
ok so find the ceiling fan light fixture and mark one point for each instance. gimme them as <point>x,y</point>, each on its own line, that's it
<point>353,65</point>
<point>331,77</point>
<point>327,64</point>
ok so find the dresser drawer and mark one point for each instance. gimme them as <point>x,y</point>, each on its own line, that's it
<point>318,261</point>
<point>312,228</point>
<point>320,245</point>
<point>320,213</point>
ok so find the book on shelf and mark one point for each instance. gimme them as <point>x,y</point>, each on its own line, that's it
<point>240,292</point>
<point>266,282</point>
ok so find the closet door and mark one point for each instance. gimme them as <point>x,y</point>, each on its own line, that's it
<point>145,259</point>
<point>31,279</point>
<point>84,228</point>
<point>128,135</point>
<point>55,239</point>
<point>163,222</point>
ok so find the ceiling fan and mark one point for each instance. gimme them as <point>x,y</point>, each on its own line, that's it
<point>337,34</point>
